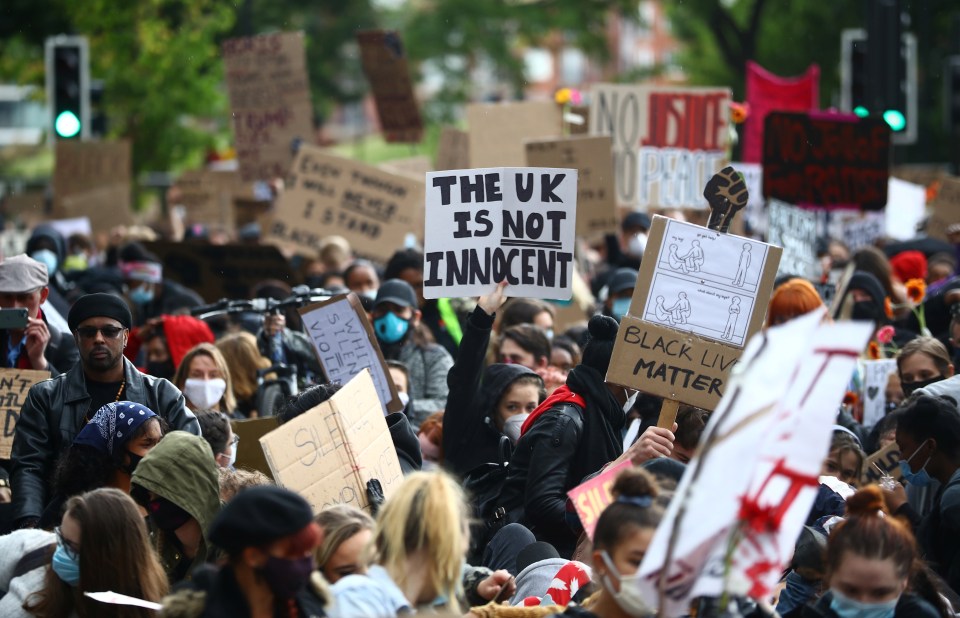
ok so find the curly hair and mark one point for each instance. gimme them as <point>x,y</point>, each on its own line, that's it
<point>215,428</point>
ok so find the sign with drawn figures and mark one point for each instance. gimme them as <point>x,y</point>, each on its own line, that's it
<point>667,141</point>
<point>494,224</point>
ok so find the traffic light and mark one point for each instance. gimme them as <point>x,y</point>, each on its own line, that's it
<point>68,86</point>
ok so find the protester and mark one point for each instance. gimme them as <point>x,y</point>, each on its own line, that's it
<point>269,536</point>
<point>396,319</point>
<point>47,246</point>
<point>243,362</point>
<point>178,485</point>
<point>204,378</point>
<point>565,354</point>
<point>791,299</point>
<point>347,533</point>
<point>41,345</point>
<point>101,545</point>
<point>401,379</point>
<point>524,344</point>
<point>361,277</point>
<point>233,481</point>
<point>922,362</point>
<point>167,340</point>
<point>620,286</point>
<point>150,294</point>
<point>56,410</point>
<point>526,311</point>
<point>845,458</point>
<point>215,429</point>
<point>868,297</point>
<point>873,261</point>
<point>430,436</point>
<point>691,422</point>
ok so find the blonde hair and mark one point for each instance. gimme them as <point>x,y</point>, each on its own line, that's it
<point>339,523</point>
<point>428,514</point>
<point>926,345</point>
<point>233,482</point>
<point>243,359</point>
<point>228,402</point>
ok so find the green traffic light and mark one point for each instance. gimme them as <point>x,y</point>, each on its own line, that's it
<point>895,119</point>
<point>861,111</point>
<point>67,124</point>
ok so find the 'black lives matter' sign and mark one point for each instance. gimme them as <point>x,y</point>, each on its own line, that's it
<point>484,226</point>
<point>826,160</point>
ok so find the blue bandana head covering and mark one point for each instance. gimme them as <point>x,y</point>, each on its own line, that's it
<point>113,424</point>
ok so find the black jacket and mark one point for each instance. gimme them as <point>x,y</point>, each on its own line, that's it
<point>470,436</point>
<point>909,606</point>
<point>562,447</point>
<point>406,442</point>
<point>53,414</point>
<point>61,352</point>
<point>939,532</point>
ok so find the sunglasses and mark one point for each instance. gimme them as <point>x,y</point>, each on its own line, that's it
<point>109,332</point>
<point>73,552</point>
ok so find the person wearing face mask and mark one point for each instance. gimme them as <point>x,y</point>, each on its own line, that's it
<point>179,486</point>
<point>928,436</point>
<point>47,246</point>
<point>269,536</point>
<point>871,561</point>
<point>396,323</point>
<point>867,295</point>
<point>620,288</point>
<point>166,341</point>
<point>101,544</point>
<point>104,454</point>
<point>204,378</point>
<point>150,294</point>
<point>921,362</point>
<point>219,435</point>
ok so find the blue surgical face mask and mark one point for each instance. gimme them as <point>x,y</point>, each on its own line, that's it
<point>620,307</point>
<point>142,295</point>
<point>549,332</point>
<point>47,257</point>
<point>391,328</point>
<point>845,607</point>
<point>921,478</point>
<point>66,568</point>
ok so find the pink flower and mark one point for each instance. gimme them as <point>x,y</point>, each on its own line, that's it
<point>885,334</point>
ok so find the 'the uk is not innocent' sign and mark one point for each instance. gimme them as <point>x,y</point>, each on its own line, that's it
<point>487,225</point>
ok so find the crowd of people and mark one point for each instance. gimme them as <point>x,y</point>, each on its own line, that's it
<point>123,474</point>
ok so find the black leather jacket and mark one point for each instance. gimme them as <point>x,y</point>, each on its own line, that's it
<point>54,413</point>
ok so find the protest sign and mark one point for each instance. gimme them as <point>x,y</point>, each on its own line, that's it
<point>93,179</point>
<point>453,151</point>
<point>497,130</point>
<point>795,230</point>
<point>885,462</point>
<point>862,229</point>
<point>945,208</point>
<point>14,386</point>
<point>269,101</point>
<point>328,454</point>
<point>249,452</point>
<point>495,224</point>
<point>906,208</point>
<point>221,271</point>
<point>766,92</point>
<point>755,213</point>
<point>208,196</point>
<point>829,160</point>
<point>667,141</point>
<point>385,65</point>
<point>593,159</point>
<point>372,209</point>
<point>734,533</point>
<point>875,376</point>
<point>345,345</point>
<point>700,295</point>
<point>590,498</point>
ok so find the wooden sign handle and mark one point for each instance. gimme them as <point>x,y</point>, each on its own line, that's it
<point>668,413</point>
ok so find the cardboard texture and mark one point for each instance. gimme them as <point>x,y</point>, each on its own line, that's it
<point>830,160</point>
<point>373,209</point>
<point>249,452</point>
<point>14,386</point>
<point>221,271</point>
<point>887,459</point>
<point>667,141</point>
<point>945,209</point>
<point>498,130</point>
<point>208,196</point>
<point>385,65</point>
<point>328,454</point>
<point>346,345</point>
<point>453,151</point>
<point>590,498</point>
<point>662,359</point>
<point>93,179</point>
<point>593,158</point>
<point>269,101</point>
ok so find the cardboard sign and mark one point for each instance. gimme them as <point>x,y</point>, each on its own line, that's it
<point>590,498</point>
<point>593,159</point>
<point>269,101</point>
<point>328,454</point>
<point>863,229</point>
<point>755,212</point>
<point>945,209</point>
<point>826,160</point>
<point>667,141</point>
<point>208,196</point>
<point>14,386</point>
<point>887,460</point>
<point>700,295</point>
<point>385,65</point>
<point>906,208</point>
<point>795,230</point>
<point>346,345</point>
<point>93,179</point>
<point>498,130</point>
<point>221,271</point>
<point>249,452</point>
<point>875,376</point>
<point>487,225</point>
<point>453,151</point>
<point>373,209</point>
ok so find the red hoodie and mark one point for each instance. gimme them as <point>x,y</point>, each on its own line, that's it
<point>182,332</point>
<point>561,395</point>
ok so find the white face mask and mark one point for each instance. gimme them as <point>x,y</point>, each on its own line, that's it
<point>511,427</point>
<point>404,398</point>
<point>631,399</point>
<point>637,244</point>
<point>204,394</point>
<point>629,598</point>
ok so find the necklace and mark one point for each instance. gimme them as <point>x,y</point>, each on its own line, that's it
<point>122,385</point>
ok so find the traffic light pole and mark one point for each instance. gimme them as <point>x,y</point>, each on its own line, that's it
<point>71,83</point>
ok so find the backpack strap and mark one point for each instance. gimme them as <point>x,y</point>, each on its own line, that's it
<point>34,560</point>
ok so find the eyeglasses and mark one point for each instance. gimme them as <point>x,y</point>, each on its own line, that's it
<point>73,552</point>
<point>109,332</point>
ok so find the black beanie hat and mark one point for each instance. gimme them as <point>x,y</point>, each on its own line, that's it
<point>603,333</point>
<point>99,305</point>
<point>259,516</point>
<point>868,282</point>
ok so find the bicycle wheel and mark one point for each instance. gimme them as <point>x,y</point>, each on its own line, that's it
<point>270,398</point>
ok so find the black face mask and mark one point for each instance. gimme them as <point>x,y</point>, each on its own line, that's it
<point>869,311</point>
<point>134,462</point>
<point>163,369</point>
<point>909,387</point>
<point>167,515</point>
